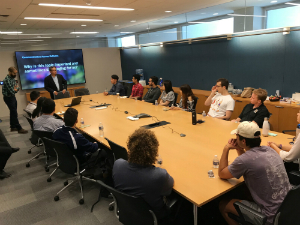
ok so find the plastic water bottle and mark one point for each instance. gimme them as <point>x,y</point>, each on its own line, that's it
<point>266,128</point>
<point>160,82</point>
<point>82,122</point>
<point>230,88</point>
<point>216,162</point>
<point>156,102</point>
<point>203,115</point>
<point>101,130</point>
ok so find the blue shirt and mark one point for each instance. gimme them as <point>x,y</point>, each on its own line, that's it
<point>117,88</point>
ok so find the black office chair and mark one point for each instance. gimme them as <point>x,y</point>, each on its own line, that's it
<point>82,92</point>
<point>118,151</point>
<point>130,209</point>
<point>126,91</point>
<point>287,214</point>
<point>28,113</point>
<point>35,141</point>
<point>175,100</point>
<point>68,163</point>
<point>60,95</point>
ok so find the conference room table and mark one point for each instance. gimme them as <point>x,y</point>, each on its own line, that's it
<point>187,159</point>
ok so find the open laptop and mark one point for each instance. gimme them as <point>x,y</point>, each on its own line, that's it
<point>75,101</point>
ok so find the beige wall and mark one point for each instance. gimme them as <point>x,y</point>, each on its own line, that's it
<point>99,63</point>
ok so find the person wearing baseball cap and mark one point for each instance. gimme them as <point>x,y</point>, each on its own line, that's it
<point>262,169</point>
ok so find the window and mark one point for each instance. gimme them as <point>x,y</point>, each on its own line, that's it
<point>128,41</point>
<point>224,26</point>
<point>283,17</point>
<point>158,36</point>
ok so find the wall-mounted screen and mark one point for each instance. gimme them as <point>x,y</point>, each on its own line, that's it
<point>33,66</point>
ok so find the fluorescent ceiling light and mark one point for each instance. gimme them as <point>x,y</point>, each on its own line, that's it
<point>273,1</point>
<point>31,40</point>
<point>23,24</point>
<point>245,15</point>
<point>62,19</point>
<point>291,3</point>
<point>84,7</point>
<point>133,21</point>
<point>168,11</point>
<point>83,25</point>
<point>77,36</point>
<point>198,22</point>
<point>175,22</point>
<point>9,43</point>
<point>10,32</point>
<point>36,34</point>
<point>84,32</point>
<point>215,14</point>
<point>126,32</point>
<point>41,37</point>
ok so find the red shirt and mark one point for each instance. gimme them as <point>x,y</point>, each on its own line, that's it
<point>137,90</point>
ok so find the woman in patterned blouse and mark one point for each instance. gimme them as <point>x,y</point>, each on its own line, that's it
<point>168,96</point>
<point>187,99</point>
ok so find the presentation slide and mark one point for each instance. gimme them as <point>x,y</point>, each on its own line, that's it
<point>33,66</point>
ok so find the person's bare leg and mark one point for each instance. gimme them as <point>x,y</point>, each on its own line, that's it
<point>225,207</point>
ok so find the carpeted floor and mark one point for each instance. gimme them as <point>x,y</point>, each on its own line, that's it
<point>27,198</point>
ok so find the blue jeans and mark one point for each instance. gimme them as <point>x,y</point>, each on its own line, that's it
<point>11,103</point>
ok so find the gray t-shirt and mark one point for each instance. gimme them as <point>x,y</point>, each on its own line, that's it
<point>149,182</point>
<point>265,176</point>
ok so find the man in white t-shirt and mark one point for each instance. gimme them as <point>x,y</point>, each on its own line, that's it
<point>221,103</point>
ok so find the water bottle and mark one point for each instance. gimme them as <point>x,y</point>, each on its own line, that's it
<point>156,102</point>
<point>82,122</point>
<point>266,128</point>
<point>101,130</point>
<point>203,115</point>
<point>194,117</point>
<point>230,87</point>
<point>160,82</point>
<point>216,162</point>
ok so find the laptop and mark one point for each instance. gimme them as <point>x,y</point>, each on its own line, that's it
<point>75,101</point>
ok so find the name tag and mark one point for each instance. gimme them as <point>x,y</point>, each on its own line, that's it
<point>255,111</point>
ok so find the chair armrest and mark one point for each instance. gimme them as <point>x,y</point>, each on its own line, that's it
<point>248,215</point>
<point>294,177</point>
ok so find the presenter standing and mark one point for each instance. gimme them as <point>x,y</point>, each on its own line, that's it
<point>55,83</point>
<point>9,89</point>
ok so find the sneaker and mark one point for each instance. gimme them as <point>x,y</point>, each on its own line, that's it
<point>22,131</point>
<point>3,174</point>
<point>13,129</point>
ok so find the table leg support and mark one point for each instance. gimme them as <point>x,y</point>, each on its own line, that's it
<point>195,214</point>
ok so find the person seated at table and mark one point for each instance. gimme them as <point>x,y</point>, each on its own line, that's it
<point>137,88</point>
<point>139,176</point>
<point>47,122</point>
<point>256,111</point>
<point>220,101</point>
<point>38,110</point>
<point>167,97</point>
<point>288,153</point>
<point>262,169</point>
<point>34,97</point>
<point>117,87</point>
<point>74,140</point>
<point>154,91</point>
<point>187,102</point>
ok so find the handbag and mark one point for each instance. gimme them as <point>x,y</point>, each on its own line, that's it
<point>247,92</point>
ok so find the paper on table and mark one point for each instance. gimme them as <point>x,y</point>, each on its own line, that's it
<point>132,118</point>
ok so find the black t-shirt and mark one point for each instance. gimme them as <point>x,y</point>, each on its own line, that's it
<point>254,114</point>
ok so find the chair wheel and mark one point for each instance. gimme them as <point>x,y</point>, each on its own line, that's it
<point>81,201</point>
<point>111,208</point>
<point>49,180</point>
<point>56,198</point>
<point>29,152</point>
<point>27,165</point>
<point>47,169</point>
<point>66,183</point>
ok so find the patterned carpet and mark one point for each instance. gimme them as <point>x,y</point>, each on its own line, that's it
<point>27,198</point>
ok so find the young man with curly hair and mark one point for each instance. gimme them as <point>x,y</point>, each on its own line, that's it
<point>138,176</point>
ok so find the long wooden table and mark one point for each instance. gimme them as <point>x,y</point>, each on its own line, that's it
<point>187,159</point>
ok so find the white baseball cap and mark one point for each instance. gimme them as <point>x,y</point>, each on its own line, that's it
<point>247,129</point>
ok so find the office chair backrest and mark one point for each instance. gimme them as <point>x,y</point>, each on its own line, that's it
<point>28,113</point>
<point>288,212</point>
<point>133,210</point>
<point>48,148</point>
<point>82,92</point>
<point>29,121</point>
<point>67,162</point>
<point>175,100</point>
<point>126,90</point>
<point>60,95</point>
<point>118,151</point>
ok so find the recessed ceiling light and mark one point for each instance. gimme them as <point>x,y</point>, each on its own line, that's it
<point>83,25</point>
<point>273,1</point>
<point>168,11</point>
<point>62,19</point>
<point>10,32</point>
<point>133,21</point>
<point>123,32</point>
<point>290,3</point>
<point>23,24</point>
<point>245,15</point>
<point>83,7</point>
<point>116,25</point>
<point>77,36</point>
<point>215,14</point>
<point>175,22</point>
<point>84,32</point>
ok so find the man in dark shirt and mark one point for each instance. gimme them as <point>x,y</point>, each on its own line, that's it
<point>256,111</point>
<point>138,176</point>
<point>153,92</point>
<point>55,83</point>
<point>117,87</point>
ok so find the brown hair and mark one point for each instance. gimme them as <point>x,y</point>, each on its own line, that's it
<point>261,94</point>
<point>186,92</point>
<point>224,82</point>
<point>143,147</point>
<point>11,69</point>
